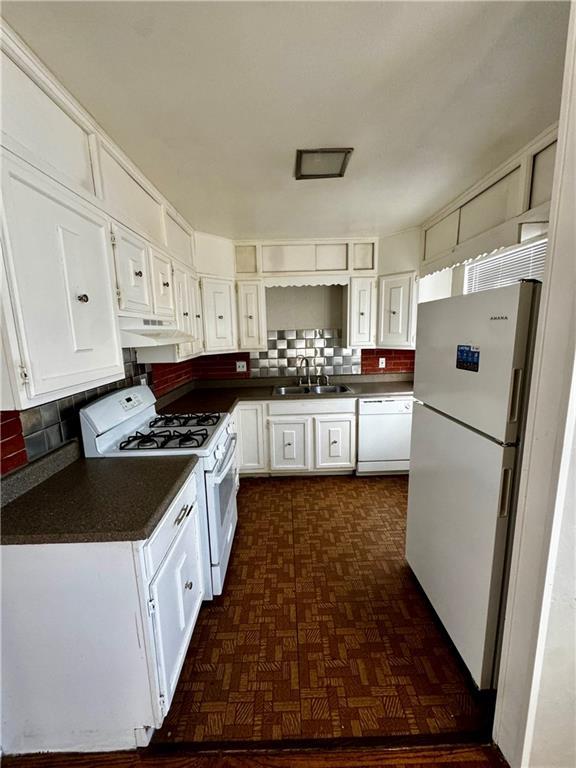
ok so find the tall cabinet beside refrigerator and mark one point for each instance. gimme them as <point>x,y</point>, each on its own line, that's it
<point>473,355</point>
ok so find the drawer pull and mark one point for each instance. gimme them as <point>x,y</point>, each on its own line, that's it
<point>138,273</point>
<point>189,585</point>
<point>182,515</point>
<point>83,298</point>
<point>166,284</point>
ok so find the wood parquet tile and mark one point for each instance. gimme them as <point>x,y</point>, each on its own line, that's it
<point>322,631</point>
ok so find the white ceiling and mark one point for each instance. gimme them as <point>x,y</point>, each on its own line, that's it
<point>212,99</point>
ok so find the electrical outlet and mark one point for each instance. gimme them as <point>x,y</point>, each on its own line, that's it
<point>241,366</point>
<point>381,362</point>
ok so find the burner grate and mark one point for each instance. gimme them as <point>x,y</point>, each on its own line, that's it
<point>164,439</point>
<point>185,420</point>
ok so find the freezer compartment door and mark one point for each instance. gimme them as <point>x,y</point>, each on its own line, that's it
<point>458,499</point>
<point>470,357</point>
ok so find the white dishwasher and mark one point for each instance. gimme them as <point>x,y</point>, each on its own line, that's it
<point>384,426</point>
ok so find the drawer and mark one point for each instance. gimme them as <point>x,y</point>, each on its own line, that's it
<point>312,406</point>
<point>165,532</point>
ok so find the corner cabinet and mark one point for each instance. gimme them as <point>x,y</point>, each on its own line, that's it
<point>59,323</point>
<point>397,311</point>
<point>360,313</point>
<point>219,310</point>
<point>252,315</point>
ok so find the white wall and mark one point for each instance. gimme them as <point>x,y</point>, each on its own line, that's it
<point>529,716</point>
<point>400,252</point>
<point>554,737</point>
<point>214,255</point>
<point>304,307</point>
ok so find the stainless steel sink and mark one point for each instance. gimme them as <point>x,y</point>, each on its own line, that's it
<point>303,390</point>
<point>330,389</point>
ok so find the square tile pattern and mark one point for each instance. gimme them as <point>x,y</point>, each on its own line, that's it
<point>321,347</point>
<point>48,426</point>
<point>322,631</point>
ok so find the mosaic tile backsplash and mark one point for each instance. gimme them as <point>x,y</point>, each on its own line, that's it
<point>322,347</point>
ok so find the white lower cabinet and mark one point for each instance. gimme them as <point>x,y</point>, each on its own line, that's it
<point>306,435</point>
<point>335,441</point>
<point>176,594</point>
<point>59,323</point>
<point>290,444</point>
<point>250,422</point>
<point>95,633</point>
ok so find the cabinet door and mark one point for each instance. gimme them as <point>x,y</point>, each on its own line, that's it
<point>290,444</point>
<point>196,326</point>
<point>335,442</point>
<point>218,301</point>
<point>397,313</point>
<point>361,312</point>
<point>252,315</point>
<point>132,272</point>
<point>59,264</point>
<point>182,306</point>
<point>162,289</point>
<point>252,448</point>
<point>176,593</point>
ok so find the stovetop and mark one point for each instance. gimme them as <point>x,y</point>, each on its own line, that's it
<point>172,431</point>
<point>185,420</point>
<point>165,439</point>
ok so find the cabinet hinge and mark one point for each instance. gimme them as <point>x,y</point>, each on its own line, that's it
<point>118,294</point>
<point>151,607</point>
<point>162,703</point>
<point>112,238</point>
<point>23,372</point>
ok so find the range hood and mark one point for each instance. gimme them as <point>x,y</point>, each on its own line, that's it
<point>153,337</point>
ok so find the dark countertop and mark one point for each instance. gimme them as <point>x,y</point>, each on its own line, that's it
<point>224,399</point>
<point>114,499</point>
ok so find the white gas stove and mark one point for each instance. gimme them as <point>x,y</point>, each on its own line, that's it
<point>126,423</point>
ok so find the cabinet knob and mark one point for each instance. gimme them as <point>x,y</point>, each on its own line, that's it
<point>185,314</point>
<point>288,445</point>
<point>189,585</point>
<point>83,298</point>
<point>138,273</point>
<point>393,312</point>
<point>334,442</point>
<point>250,317</point>
<point>220,317</point>
<point>166,284</point>
<point>361,314</point>
<point>197,317</point>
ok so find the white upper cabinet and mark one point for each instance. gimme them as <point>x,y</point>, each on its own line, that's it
<point>38,129</point>
<point>162,290</point>
<point>219,310</point>
<point>442,236</point>
<point>133,277</point>
<point>361,312</point>
<point>59,297</point>
<point>178,240</point>
<point>126,197</point>
<point>397,310</point>
<point>197,324</point>
<point>307,258</point>
<point>542,176</point>
<point>182,304</point>
<point>252,314</point>
<point>493,206</point>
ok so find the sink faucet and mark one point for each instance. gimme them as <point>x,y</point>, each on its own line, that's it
<point>301,362</point>
<point>325,377</point>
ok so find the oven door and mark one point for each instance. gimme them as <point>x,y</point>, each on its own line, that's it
<point>221,489</point>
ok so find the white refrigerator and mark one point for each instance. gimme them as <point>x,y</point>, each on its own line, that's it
<point>473,356</point>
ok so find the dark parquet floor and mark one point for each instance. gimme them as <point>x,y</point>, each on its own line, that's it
<point>322,631</point>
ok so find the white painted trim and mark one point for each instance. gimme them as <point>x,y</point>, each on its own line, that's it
<point>541,481</point>
<point>544,139</point>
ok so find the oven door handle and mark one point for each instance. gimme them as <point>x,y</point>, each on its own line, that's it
<point>226,462</point>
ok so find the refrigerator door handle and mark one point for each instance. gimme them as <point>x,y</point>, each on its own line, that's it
<point>516,395</point>
<point>505,493</point>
